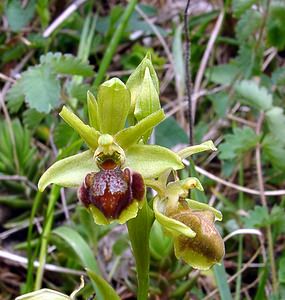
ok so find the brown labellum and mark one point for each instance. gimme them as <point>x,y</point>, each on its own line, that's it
<point>111,189</point>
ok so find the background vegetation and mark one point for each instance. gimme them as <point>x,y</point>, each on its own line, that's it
<point>238,74</point>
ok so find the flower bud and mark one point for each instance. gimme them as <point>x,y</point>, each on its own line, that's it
<point>207,247</point>
<point>144,87</point>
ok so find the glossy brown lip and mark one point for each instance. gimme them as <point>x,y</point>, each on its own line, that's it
<point>111,189</point>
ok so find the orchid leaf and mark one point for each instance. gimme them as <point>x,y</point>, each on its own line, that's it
<point>69,172</point>
<point>103,286</point>
<point>114,102</point>
<point>131,135</point>
<point>44,294</point>
<point>150,160</point>
<point>88,134</point>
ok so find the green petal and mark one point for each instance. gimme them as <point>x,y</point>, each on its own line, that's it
<point>70,171</point>
<point>114,102</point>
<point>150,161</point>
<point>128,213</point>
<point>195,205</point>
<point>92,110</point>
<point>131,135</point>
<point>208,145</point>
<point>172,226</point>
<point>88,134</point>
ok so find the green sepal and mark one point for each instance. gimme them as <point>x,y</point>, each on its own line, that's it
<point>87,133</point>
<point>114,102</point>
<point>136,78</point>
<point>92,107</point>
<point>170,225</point>
<point>131,135</point>
<point>151,160</point>
<point>70,171</point>
<point>186,152</point>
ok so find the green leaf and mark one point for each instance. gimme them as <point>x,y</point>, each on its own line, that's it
<point>169,133</point>
<point>241,141</point>
<point>15,97</point>
<point>254,95</point>
<point>278,76</point>
<point>67,64</point>
<point>257,218</point>
<point>84,253</point>
<point>281,270</point>
<point>106,291</point>
<point>220,103</point>
<point>63,134</point>
<point>87,133</point>
<point>276,26</point>
<point>222,74</point>
<point>139,231</point>
<point>240,6</point>
<point>41,88</point>
<point>221,279</point>
<point>114,102</point>
<point>276,122</point>
<point>150,161</point>
<point>248,24</point>
<point>274,151</point>
<point>160,244</point>
<point>32,118</point>
<point>18,15</point>
<point>70,171</point>
<point>131,135</point>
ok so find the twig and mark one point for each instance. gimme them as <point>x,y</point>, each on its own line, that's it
<point>205,58</point>
<point>264,204</point>
<point>235,186</point>
<point>157,33</point>
<point>23,261</point>
<point>188,79</point>
<point>62,17</point>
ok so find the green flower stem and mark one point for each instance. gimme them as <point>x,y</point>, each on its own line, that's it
<point>31,256</point>
<point>114,43</point>
<point>139,230</point>
<point>45,235</point>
